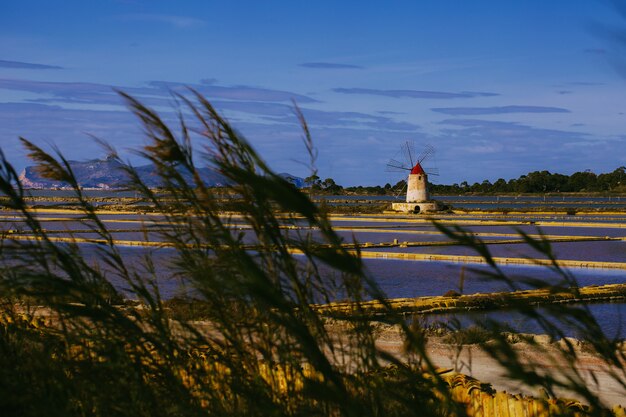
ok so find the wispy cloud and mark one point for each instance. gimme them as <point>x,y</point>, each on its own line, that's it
<point>237,92</point>
<point>64,111</point>
<point>26,65</point>
<point>329,65</point>
<point>278,113</point>
<point>243,102</point>
<point>390,112</point>
<point>181,22</point>
<point>487,147</point>
<point>474,111</point>
<point>583,83</point>
<point>413,93</point>
<point>93,93</point>
<point>357,120</point>
<point>61,89</point>
<point>510,132</point>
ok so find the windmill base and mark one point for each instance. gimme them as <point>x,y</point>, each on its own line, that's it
<point>415,208</point>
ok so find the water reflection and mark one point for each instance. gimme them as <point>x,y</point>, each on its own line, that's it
<point>610,316</point>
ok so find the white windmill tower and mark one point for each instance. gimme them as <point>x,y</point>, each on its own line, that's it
<point>417,196</point>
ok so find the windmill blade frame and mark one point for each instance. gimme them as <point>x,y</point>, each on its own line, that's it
<point>408,152</point>
<point>406,159</point>
<point>428,151</point>
<point>397,166</point>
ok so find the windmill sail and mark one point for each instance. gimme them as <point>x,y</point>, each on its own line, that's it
<point>426,153</point>
<point>406,159</point>
<point>396,166</point>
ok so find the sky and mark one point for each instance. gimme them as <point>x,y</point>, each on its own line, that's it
<point>498,88</point>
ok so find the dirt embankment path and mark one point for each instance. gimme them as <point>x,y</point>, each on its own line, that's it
<point>471,360</point>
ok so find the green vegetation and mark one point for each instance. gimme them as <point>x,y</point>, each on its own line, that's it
<point>544,182</point>
<point>70,346</point>
<point>469,336</point>
<point>387,189</point>
<point>533,182</point>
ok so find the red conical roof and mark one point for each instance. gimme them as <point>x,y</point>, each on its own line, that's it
<point>417,169</point>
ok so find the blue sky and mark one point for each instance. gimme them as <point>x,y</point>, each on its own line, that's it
<point>499,88</point>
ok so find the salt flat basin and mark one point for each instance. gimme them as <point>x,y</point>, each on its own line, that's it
<point>598,251</point>
<point>397,278</point>
<point>406,279</point>
<point>610,316</point>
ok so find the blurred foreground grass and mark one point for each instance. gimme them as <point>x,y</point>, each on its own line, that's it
<point>69,345</point>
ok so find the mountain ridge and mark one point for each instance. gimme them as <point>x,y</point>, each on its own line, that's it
<point>107,174</point>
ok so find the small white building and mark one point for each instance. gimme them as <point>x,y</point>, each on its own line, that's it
<point>417,196</point>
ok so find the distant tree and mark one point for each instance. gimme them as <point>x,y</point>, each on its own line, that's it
<point>583,181</point>
<point>313,182</point>
<point>500,186</point>
<point>331,186</point>
<point>328,182</point>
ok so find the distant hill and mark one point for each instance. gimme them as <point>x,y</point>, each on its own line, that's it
<point>297,181</point>
<point>107,174</point>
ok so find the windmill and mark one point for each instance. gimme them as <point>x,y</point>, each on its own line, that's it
<point>410,163</point>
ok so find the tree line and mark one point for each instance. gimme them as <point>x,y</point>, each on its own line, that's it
<point>533,182</point>
<point>543,182</point>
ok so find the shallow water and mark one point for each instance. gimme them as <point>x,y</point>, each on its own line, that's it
<point>398,278</point>
<point>401,279</point>
<point>610,316</point>
<point>602,251</point>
